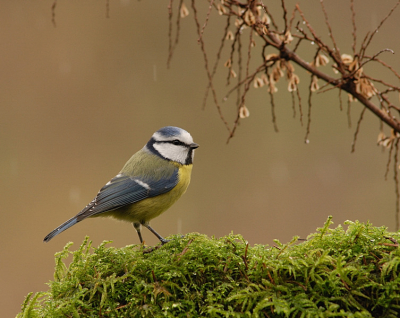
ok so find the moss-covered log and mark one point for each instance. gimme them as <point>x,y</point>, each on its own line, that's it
<point>350,271</point>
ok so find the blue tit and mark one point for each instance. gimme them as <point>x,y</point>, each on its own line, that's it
<point>150,182</point>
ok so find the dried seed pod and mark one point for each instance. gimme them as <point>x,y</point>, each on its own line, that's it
<point>321,60</point>
<point>243,112</point>
<point>249,18</point>
<point>293,82</point>
<point>265,79</point>
<point>277,73</point>
<point>271,86</point>
<point>238,23</point>
<point>314,84</point>
<point>230,36</point>
<point>365,87</point>
<point>266,19</point>
<point>288,37</point>
<point>258,82</point>
<point>184,11</point>
<point>271,58</point>
<point>221,9</point>
<point>346,59</point>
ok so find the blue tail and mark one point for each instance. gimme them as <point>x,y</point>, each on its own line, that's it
<point>61,228</point>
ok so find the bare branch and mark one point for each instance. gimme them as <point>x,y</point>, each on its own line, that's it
<point>254,17</point>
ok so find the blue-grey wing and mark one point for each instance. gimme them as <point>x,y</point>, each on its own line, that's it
<point>123,190</point>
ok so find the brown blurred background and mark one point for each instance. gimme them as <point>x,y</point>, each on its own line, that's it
<point>77,100</point>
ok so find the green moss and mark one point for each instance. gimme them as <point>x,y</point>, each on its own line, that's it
<point>334,273</point>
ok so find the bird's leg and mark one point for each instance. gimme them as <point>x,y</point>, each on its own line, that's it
<point>137,227</point>
<point>163,240</point>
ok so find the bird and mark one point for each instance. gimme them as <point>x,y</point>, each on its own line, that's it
<point>150,182</point>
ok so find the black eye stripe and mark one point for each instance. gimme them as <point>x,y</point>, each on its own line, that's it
<point>174,142</point>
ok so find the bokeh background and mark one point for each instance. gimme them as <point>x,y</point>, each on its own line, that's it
<point>77,100</point>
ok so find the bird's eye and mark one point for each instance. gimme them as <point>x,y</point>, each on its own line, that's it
<point>176,142</point>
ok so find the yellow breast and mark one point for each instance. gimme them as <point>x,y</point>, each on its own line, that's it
<point>147,209</point>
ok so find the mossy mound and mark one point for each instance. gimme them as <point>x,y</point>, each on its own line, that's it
<point>334,273</point>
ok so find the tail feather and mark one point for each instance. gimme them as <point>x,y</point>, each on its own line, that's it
<point>61,228</point>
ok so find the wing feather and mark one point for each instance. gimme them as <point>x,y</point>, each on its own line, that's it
<point>124,190</point>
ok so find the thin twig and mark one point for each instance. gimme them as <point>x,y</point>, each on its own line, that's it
<point>207,69</point>
<point>170,50</point>
<point>246,88</point>
<point>309,102</point>
<point>217,60</point>
<point>306,140</point>
<point>397,88</point>
<point>240,71</point>
<point>329,28</point>
<point>353,146</point>
<point>300,109</point>
<point>297,44</point>
<point>385,65</point>
<point>270,16</point>
<point>354,32</point>
<point>389,159</point>
<point>251,77</point>
<point>292,18</point>
<point>293,104</point>
<point>378,27</point>
<point>207,18</point>
<point>272,102</point>
<point>53,13</point>
<point>318,41</point>
<point>373,58</point>
<point>349,112</point>
<point>284,16</point>
<point>107,9</point>
<point>235,40</point>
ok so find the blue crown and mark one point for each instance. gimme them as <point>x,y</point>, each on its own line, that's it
<point>170,131</point>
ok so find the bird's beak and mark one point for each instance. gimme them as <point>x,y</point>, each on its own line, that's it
<point>194,145</point>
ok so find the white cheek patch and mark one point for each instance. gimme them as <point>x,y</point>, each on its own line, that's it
<point>172,152</point>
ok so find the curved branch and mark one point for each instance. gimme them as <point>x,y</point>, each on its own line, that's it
<point>347,86</point>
